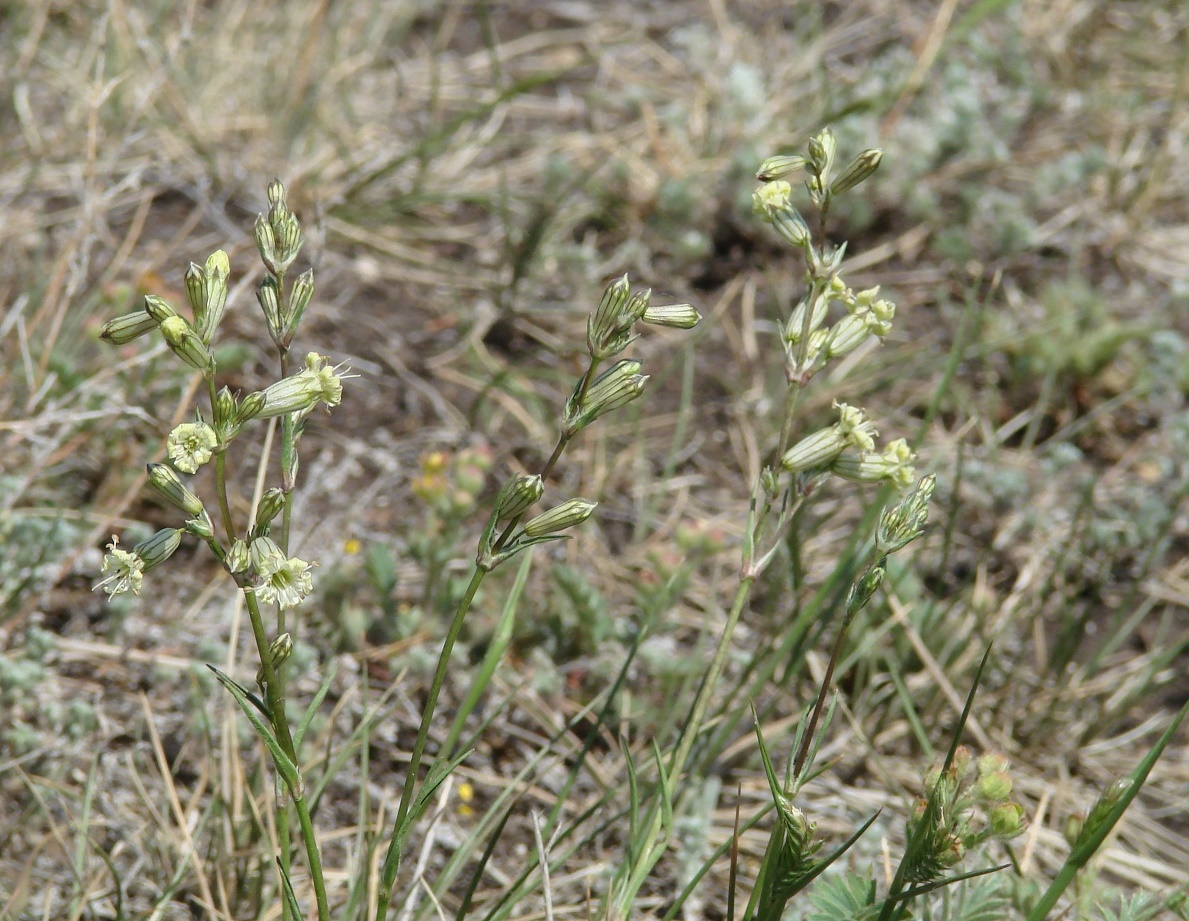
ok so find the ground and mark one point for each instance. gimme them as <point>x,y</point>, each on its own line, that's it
<point>469,176</point>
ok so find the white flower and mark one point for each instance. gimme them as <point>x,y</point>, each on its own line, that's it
<point>191,445</point>
<point>329,380</point>
<point>301,392</point>
<point>854,426</point>
<point>770,198</point>
<point>894,464</point>
<point>284,581</point>
<point>852,429</point>
<point>123,571</point>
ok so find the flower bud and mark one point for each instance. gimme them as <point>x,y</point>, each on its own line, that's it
<point>615,387</point>
<point>279,651</point>
<point>904,522</point>
<point>184,342</point>
<point>225,407</point>
<point>158,548</point>
<point>814,450</point>
<point>862,590</point>
<point>848,334</point>
<point>266,240</point>
<point>288,241</point>
<point>173,490</point>
<point>517,496</point>
<point>124,329</point>
<point>605,335</point>
<point>299,299</point>
<point>196,290</point>
<point>559,518</point>
<point>201,527</point>
<point>791,226</point>
<point>678,316</point>
<point>278,235</point>
<point>994,787</point>
<point>635,308</point>
<point>158,308</point>
<point>1006,820</point>
<point>795,327</point>
<point>780,167</point>
<point>992,762</point>
<point>1073,829</point>
<point>1101,810</point>
<point>206,289</point>
<point>250,407</point>
<point>857,170</point>
<point>821,153</point>
<point>238,557</point>
<point>271,504</point>
<point>269,297</point>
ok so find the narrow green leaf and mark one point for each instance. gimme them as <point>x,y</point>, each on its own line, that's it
<point>1084,850</point>
<point>290,895</point>
<point>666,788</point>
<point>465,906</point>
<point>287,768</point>
<point>633,799</point>
<point>950,880</point>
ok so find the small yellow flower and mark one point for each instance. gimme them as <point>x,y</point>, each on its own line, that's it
<point>466,793</point>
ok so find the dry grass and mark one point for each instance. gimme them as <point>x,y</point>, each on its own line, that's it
<point>470,173</point>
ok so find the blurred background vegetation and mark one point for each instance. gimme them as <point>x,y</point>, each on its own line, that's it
<point>470,174</point>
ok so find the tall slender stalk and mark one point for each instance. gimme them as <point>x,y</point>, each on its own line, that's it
<point>396,842</point>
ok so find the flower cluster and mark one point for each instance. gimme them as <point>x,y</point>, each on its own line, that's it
<point>257,561</point>
<point>610,329</point>
<point>964,805</point>
<point>847,448</point>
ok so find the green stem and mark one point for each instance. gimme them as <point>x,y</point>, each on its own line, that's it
<point>284,837</point>
<point>790,414</point>
<point>280,724</point>
<point>220,469</point>
<point>221,489</point>
<point>823,692</point>
<point>562,441</point>
<point>395,844</point>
